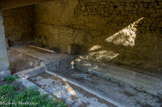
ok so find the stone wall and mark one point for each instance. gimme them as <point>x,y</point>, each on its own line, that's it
<point>122,32</point>
<point>18,25</point>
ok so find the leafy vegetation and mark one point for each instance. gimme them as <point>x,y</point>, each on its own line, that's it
<point>10,78</point>
<point>12,96</point>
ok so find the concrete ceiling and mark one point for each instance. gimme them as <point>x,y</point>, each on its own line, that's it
<point>8,4</point>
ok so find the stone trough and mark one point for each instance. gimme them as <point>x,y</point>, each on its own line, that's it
<point>88,84</point>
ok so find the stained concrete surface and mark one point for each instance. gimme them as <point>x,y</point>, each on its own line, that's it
<point>123,93</point>
<point>82,98</point>
<point>150,83</point>
<point>73,96</point>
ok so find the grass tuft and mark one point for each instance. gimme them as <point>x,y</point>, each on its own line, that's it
<point>10,79</point>
<point>12,94</point>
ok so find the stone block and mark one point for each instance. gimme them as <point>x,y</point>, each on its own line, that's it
<point>147,80</point>
<point>53,66</point>
<point>65,64</point>
<point>5,73</point>
<point>120,71</point>
<point>31,72</point>
<point>141,81</point>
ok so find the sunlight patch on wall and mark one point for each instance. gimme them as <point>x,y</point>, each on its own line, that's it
<point>126,36</point>
<point>103,55</point>
<point>96,47</point>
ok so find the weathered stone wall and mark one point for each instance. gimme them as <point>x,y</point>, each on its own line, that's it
<point>120,31</point>
<point>18,25</point>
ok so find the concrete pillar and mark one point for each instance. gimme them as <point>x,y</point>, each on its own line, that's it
<point>4,64</point>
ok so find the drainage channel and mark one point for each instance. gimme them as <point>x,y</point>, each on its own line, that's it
<point>64,83</point>
<point>111,91</point>
<point>72,94</point>
<point>81,89</point>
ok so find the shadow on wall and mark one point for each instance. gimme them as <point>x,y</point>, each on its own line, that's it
<point>18,23</point>
<point>124,39</point>
<point>138,44</point>
<point>131,46</point>
<point>123,32</point>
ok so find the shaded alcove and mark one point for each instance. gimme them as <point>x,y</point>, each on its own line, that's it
<point>124,34</point>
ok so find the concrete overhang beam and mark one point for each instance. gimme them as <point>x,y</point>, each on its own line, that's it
<point>8,4</point>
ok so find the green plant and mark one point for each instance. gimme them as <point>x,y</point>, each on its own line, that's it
<point>10,93</point>
<point>10,78</point>
<point>7,90</point>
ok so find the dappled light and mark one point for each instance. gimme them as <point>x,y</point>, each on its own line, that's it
<point>104,54</point>
<point>126,36</point>
<point>96,47</point>
<point>69,89</point>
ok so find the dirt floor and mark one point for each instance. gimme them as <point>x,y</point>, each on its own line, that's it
<point>19,62</point>
<point>25,57</point>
